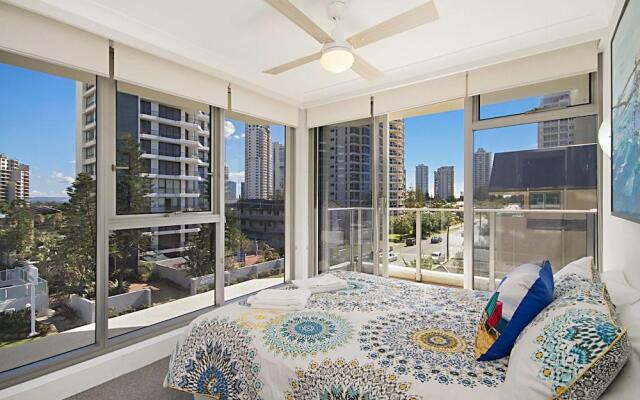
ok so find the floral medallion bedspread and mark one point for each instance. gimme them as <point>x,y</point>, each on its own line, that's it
<point>378,339</point>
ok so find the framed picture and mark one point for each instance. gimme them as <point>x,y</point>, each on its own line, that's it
<point>625,114</point>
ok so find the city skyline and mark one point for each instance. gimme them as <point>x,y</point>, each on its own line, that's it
<point>434,140</point>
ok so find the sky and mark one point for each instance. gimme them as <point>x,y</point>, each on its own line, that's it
<point>437,140</point>
<point>37,127</point>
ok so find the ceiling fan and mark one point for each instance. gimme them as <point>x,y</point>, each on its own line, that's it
<point>337,53</point>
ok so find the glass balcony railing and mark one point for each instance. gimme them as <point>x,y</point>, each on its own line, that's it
<point>427,244</point>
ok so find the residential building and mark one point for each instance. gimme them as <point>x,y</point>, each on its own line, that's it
<point>565,131</point>
<point>278,169</point>
<point>258,162</point>
<point>482,161</point>
<point>14,180</point>
<point>348,158</point>
<point>397,179</point>
<point>86,139</point>
<point>443,180</point>
<point>261,221</point>
<point>422,179</point>
<point>229,186</point>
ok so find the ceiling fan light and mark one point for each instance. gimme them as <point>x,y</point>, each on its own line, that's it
<point>336,58</point>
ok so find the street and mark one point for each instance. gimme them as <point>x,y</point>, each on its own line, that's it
<point>456,245</point>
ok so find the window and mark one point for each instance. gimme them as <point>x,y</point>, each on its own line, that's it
<point>169,112</point>
<point>540,97</point>
<point>255,188</point>
<point>169,131</point>
<point>47,216</point>
<point>143,161</point>
<point>159,273</point>
<point>545,200</point>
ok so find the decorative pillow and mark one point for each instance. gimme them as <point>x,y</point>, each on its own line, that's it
<point>583,267</point>
<point>572,350</point>
<point>521,295</point>
<point>622,294</point>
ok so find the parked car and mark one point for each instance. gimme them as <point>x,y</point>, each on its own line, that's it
<point>393,257</point>
<point>410,242</point>
<point>437,257</point>
<point>436,239</point>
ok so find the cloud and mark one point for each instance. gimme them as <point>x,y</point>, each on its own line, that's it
<point>72,162</point>
<point>236,176</point>
<point>59,177</point>
<point>229,129</point>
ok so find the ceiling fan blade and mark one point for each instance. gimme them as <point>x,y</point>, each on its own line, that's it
<point>400,23</point>
<point>365,70</point>
<point>296,16</point>
<point>293,64</point>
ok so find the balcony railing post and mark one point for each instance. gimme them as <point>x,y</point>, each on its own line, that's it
<point>351,232</point>
<point>359,263</point>
<point>418,246</point>
<point>492,251</point>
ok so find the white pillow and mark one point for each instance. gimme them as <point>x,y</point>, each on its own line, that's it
<point>582,267</point>
<point>622,294</point>
<point>625,386</point>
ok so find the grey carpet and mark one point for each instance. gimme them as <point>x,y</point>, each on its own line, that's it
<point>142,384</point>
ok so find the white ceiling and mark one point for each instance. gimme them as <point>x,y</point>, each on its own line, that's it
<point>238,39</point>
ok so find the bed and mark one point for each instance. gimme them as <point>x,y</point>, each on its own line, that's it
<point>378,339</point>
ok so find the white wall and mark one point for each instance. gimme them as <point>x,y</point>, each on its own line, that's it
<point>621,238</point>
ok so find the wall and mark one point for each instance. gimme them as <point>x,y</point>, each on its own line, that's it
<point>620,237</point>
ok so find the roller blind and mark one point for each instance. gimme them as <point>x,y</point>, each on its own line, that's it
<point>420,94</point>
<point>341,111</point>
<point>569,61</point>
<point>256,105</point>
<point>152,72</point>
<point>34,36</point>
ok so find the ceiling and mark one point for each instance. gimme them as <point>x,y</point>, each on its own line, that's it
<point>238,39</point>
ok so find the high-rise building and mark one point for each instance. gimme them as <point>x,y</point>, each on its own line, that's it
<point>229,186</point>
<point>422,179</point>
<point>174,143</point>
<point>278,169</point>
<point>348,155</point>
<point>565,131</point>
<point>86,139</point>
<point>443,182</point>
<point>14,180</point>
<point>258,162</point>
<point>482,163</point>
<point>397,179</point>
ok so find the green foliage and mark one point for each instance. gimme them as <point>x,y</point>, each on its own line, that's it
<point>235,240</point>
<point>132,187</point>
<point>269,253</point>
<point>200,255</point>
<point>425,263</point>
<point>17,237</point>
<point>415,199</point>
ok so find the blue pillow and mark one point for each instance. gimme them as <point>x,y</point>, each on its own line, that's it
<point>521,295</point>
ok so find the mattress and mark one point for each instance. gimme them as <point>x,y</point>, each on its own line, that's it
<point>379,338</point>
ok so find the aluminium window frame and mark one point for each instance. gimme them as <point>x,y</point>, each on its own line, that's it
<point>473,123</point>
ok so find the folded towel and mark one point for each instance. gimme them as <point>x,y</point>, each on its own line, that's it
<point>322,283</point>
<point>269,306</point>
<point>283,300</point>
<point>300,295</point>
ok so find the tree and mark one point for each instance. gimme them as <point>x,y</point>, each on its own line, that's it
<point>269,253</point>
<point>200,255</point>
<point>415,199</point>
<point>19,234</point>
<point>74,263</point>
<point>132,187</point>
<point>132,197</point>
<point>235,240</point>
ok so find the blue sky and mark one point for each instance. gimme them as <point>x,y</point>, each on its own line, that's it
<point>37,127</point>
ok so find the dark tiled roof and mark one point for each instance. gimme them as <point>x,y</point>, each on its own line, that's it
<point>569,167</point>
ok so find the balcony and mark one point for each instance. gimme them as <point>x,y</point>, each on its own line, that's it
<point>502,240</point>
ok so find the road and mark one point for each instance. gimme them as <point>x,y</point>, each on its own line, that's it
<point>408,253</point>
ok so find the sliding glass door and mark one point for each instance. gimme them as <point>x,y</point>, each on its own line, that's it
<point>348,187</point>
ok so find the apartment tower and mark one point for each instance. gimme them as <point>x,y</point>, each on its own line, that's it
<point>422,179</point>
<point>443,182</point>
<point>565,131</point>
<point>482,164</point>
<point>14,180</point>
<point>397,180</point>
<point>258,162</point>
<point>278,170</point>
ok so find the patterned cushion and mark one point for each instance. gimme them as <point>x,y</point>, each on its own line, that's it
<point>519,298</point>
<point>571,350</point>
<point>584,267</point>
